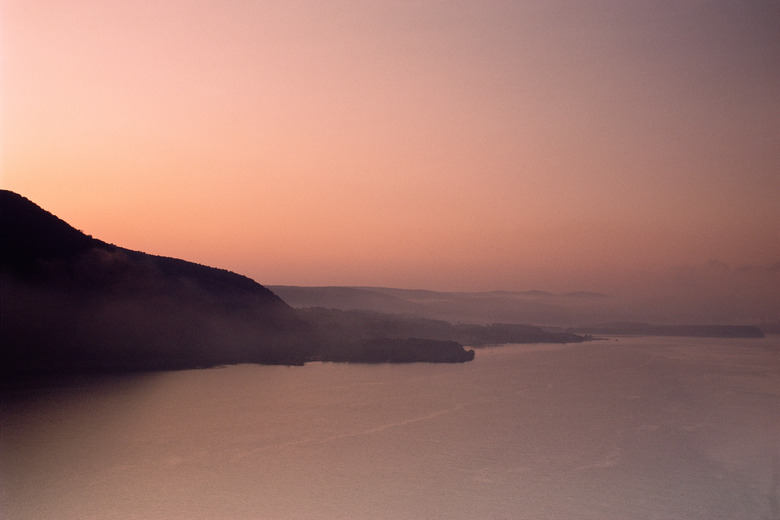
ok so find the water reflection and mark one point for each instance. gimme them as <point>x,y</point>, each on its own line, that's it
<point>635,428</point>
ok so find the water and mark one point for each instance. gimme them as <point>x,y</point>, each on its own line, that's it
<point>644,428</point>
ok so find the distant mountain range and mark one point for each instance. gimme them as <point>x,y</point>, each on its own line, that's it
<point>571,312</point>
<point>463,307</point>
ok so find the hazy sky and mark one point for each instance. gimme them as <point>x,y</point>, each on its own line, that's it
<point>558,145</point>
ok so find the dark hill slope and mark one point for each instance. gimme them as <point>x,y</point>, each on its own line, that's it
<point>37,244</point>
<point>71,302</point>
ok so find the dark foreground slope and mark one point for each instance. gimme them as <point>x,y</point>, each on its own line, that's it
<point>74,303</point>
<point>71,302</point>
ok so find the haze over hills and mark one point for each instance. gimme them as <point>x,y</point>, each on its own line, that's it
<point>577,310</point>
<point>71,302</point>
<point>538,307</point>
<point>647,329</point>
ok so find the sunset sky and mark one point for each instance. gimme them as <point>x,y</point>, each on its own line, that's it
<point>553,145</point>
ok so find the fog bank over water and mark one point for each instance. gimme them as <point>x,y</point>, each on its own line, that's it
<point>612,430</point>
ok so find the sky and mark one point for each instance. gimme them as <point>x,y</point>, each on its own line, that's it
<point>447,145</point>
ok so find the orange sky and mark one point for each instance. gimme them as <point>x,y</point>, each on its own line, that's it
<point>445,145</point>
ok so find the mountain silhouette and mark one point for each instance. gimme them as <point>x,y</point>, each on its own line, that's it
<point>72,302</point>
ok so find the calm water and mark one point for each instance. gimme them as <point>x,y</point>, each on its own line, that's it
<point>645,428</point>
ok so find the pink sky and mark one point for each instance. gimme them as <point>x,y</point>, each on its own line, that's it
<point>445,145</point>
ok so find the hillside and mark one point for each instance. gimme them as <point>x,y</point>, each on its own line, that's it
<point>346,327</point>
<point>72,302</point>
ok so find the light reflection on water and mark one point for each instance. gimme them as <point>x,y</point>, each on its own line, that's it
<point>634,428</point>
